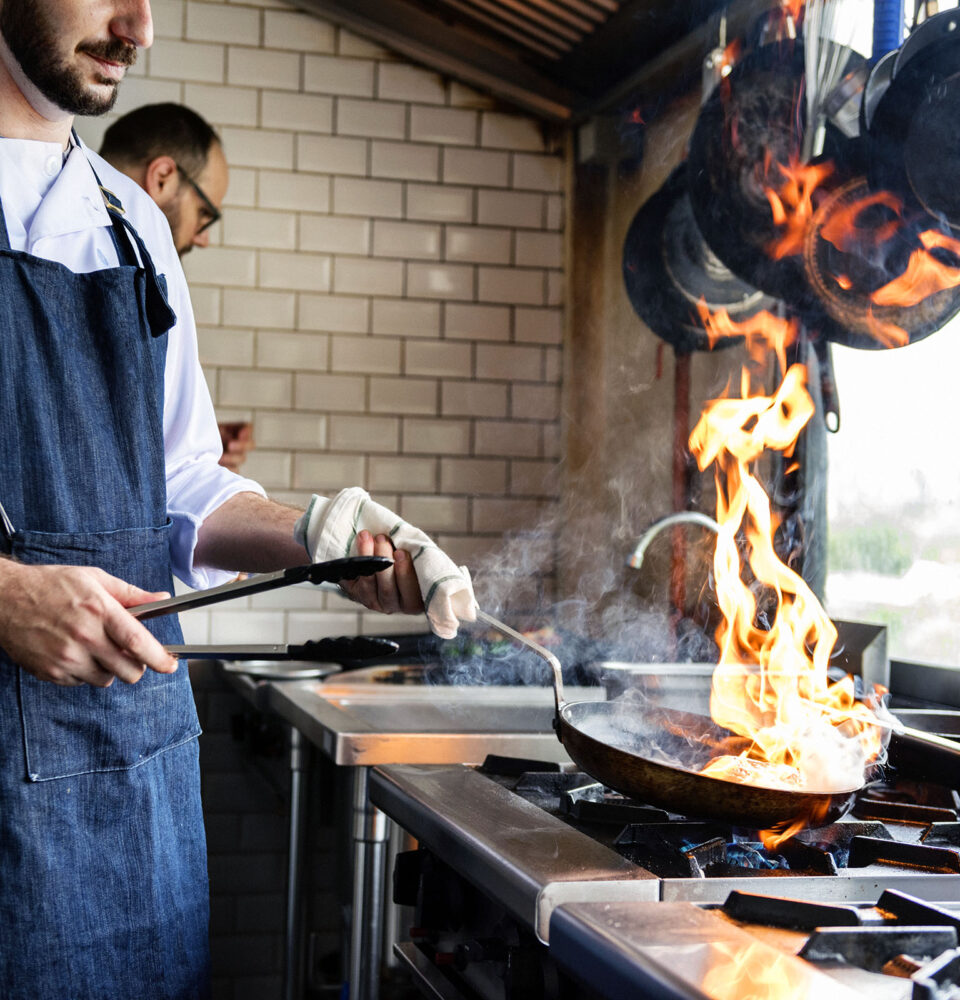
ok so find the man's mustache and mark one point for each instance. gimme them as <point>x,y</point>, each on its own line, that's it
<point>114,51</point>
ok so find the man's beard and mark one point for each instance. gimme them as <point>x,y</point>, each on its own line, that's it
<point>32,37</point>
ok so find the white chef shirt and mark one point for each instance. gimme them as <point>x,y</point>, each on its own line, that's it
<point>53,209</point>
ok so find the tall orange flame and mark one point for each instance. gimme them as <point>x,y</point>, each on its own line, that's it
<point>771,684</point>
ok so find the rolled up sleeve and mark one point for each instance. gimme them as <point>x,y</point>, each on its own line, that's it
<point>196,484</point>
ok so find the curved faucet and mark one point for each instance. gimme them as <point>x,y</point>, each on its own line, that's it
<point>635,559</point>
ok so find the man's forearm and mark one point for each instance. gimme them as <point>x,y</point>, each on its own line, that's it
<point>250,534</point>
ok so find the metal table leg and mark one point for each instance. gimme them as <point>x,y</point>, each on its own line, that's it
<point>293,931</point>
<point>370,832</point>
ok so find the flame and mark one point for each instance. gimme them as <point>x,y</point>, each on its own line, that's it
<point>753,971</point>
<point>792,203</point>
<point>925,274</point>
<point>771,683</point>
<point>845,227</point>
<point>762,333</point>
<point>795,729</point>
<point>793,8</point>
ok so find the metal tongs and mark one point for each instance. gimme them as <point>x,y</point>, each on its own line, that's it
<point>333,649</point>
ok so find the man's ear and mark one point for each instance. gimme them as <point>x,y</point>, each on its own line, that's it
<point>161,180</point>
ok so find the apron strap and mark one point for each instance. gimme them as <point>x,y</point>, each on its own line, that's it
<point>4,236</point>
<point>159,314</point>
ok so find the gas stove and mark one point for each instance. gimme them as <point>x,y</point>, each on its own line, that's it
<point>532,879</point>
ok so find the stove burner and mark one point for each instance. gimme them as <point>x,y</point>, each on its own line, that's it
<point>910,910</point>
<point>520,766</point>
<point>674,849</point>
<point>899,824</point>
<point>871,948</point>
<point>592,803</point>
<point>836,839</point>
<point>942,835</point>
<point>874,850</point>
<point>867,807</point>
<point>794,914</point>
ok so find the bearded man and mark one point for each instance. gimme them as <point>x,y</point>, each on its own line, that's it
<point>109,484</point>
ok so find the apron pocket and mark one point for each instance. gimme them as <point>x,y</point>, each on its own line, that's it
<point>76,730</point>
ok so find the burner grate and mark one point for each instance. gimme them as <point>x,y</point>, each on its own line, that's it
<point>875,850</point>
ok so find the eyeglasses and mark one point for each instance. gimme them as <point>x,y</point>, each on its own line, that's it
<point>209,210</point>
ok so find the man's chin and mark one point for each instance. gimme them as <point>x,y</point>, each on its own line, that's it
<point>96,99</point>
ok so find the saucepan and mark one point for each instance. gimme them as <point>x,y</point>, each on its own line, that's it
<point>611,745</point>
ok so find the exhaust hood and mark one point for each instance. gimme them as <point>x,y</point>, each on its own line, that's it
<point>562,60</point>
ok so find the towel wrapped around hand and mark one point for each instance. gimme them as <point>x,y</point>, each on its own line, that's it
<point>329,528</point>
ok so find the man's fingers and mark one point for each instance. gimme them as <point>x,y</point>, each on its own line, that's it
<point>393,589</point>
<point>363,590</point>
<point>130,596</point>
<point>388,596</point>
<point>411,600</point>
<point>133,648</point>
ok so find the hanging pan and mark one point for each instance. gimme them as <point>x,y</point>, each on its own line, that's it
<point>912,128</point>
<point>668,269</point>
<point>858,244</point>
<point>855,241</point>
<point>750,125</point>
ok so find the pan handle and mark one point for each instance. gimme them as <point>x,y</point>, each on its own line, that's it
<point>537,648</point>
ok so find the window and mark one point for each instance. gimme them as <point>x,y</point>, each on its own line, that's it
<point>893,495</point>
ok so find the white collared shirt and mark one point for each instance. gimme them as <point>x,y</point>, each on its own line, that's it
<point>53,209</point>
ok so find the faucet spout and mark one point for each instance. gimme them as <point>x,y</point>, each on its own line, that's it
<point>635,559</point>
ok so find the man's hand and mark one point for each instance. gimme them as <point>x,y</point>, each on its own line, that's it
<point>67,625</point>
<point>392,590</point>
<point>237,439</point>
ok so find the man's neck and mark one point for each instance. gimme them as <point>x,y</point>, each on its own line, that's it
<point>24,112</point>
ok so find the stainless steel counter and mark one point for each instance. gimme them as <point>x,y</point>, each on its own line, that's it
<point>358,724</point>
<point>361,724</point>
<point>676,949</point>
<point>521,854</point>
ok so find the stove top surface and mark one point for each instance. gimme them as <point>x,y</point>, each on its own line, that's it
<point>547,834</point>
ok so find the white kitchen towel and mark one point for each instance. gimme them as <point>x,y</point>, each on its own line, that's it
<point>329,528</point>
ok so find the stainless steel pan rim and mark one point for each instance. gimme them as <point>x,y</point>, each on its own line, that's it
<point>673,788</point>
<point>686,791</point>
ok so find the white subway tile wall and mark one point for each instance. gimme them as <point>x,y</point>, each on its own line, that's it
<point>383,298</point>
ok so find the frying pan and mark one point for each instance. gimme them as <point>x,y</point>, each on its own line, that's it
<point>870,262</point>
<point>585,729</point>
<point>752,119</point>
<point>668,268</point>
<point>912,132</point>
<point>750,122</point>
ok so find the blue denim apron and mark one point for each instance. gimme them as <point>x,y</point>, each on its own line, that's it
<point>103,881</point>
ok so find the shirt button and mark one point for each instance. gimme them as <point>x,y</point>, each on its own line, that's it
<point>52,165</point>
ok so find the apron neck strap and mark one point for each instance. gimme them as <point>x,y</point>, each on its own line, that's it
<point>133,251</point>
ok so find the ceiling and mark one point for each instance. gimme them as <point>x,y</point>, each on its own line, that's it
<point>563,60</point>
